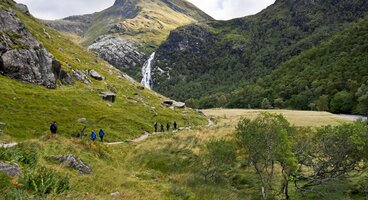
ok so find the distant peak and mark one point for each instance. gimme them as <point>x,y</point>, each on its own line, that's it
<point>121,2</point>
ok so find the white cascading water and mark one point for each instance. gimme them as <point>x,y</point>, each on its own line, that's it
<point>146,72</point>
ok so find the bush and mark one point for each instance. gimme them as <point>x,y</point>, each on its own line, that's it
<point>179,192</point>
<point>21,154</point>
<point>45,181</point>
<point>219,157</point>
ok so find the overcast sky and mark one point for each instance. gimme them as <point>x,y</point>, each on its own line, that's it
<point>218,9</point>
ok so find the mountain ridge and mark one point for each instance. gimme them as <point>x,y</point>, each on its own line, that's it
<point>251,47</point>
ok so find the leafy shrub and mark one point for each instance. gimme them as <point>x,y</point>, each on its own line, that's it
<point>218,158</point>
<point>179,192</point>
<point>45,181</point>
<point>22,154</point>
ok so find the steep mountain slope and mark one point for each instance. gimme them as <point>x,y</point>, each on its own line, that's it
<point>332,76</point>
<point>204,59</point>
<point>126,33</point>
<point>28,109</point>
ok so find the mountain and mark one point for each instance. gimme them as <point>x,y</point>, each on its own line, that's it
<point>332,76</point>
<point>216,58</point>
<point>127,33</point>
<point>45,77</point>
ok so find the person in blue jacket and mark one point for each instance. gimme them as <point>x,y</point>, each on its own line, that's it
<point>101,134</point>
<point>93,136</point>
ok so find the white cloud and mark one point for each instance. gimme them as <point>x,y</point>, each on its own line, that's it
<point>218,9</point>
<point>229,9</point>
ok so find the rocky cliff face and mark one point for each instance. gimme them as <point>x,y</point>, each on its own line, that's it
<point>126,33</point>
<point>23,57</point>
<point>118,51</point>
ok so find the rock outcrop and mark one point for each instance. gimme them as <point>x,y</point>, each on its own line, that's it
<point>81,76</point>
<point>174,104</point>
<point>73,162</point>
<point>11,170</point>
<point>23,57</point>
<point>118,51</point>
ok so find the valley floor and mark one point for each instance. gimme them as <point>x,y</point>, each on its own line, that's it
<point>161,166</point>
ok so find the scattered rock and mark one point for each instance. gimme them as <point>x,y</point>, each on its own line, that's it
<point>82,120</point>
<point>46,33</point>
<point>8,145</point>
<point>175,104</point>
<point>10,170</point>
<point>78,60</point>
<point>109,105</point>
<point>169,102</point>
<point>179,104</point>
<point>115,194</point>
<point>108,96</point>
<point>140,87</point>
<point>172,108</point>
<point>81,76</point>
<point>73,162</point>
<point>23,8</point>
<point>96,75</point>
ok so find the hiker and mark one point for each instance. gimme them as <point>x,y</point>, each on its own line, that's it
<point>162,128</point>
<point>93,136</point>
<point>175,125</point>
<point>168,126</point>
<point>101,134</point>
<point>156,126</point>
<point>53,128</point>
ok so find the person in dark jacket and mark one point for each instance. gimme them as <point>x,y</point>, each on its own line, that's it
<point>162,128</point>
<point>53,128</point>
<point>93,136</point>
<point>168,126</point>
<point>175,125</point>
<point>101,134</point>
<point>155,126</point>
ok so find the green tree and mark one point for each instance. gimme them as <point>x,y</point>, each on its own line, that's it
<point>362,95</point>
<point>332,153</point>
<point>266,142</point>
<point>219,156</point>
<point>342,102</point>
<point>322,103</point>
<point>266,104</point>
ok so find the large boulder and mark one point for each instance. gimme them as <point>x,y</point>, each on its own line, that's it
<point>96,75</point>
<point>108,96</point>
<point>22,57</point>
<point>23,8</point>
<point>12,170</point>
<point>174,104</point>
<point>73,162</point>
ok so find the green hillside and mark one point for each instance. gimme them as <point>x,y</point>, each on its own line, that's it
<point>221,57</point>
<point>331,76</point>
<point>28,109</point>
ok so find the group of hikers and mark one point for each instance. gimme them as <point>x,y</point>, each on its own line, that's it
<point>168,126</point>
<point>101,133</point>
<point>93,136</point>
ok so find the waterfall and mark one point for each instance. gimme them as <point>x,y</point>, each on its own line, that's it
<point>146,72</point>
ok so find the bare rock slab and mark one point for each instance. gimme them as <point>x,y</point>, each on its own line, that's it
<point>11,170</point>
<point>73,162</point>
